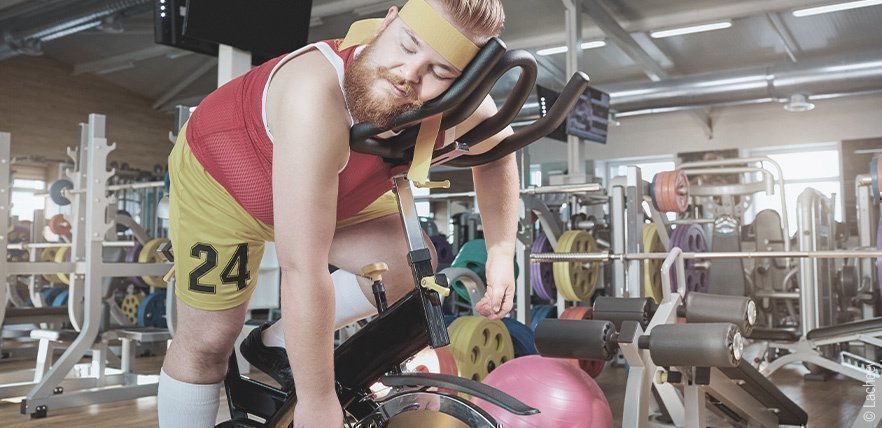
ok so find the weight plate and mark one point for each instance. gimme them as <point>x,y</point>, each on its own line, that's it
<point>443,249</point>
<point>61,298</point>
<point>591,367</point>
<point>473,256</point>
<point>542,274</point>
<point>539,313</point>
<point>670,191</point>
<point>574,281</point>
<point>652,284</point>
<point>150,254</point>
<point>151,311</point>
<point>49,295</point>
<point>48,255</point>
<point>690,238</point>
<point>55,191</point>
<point>466,283</point>
<point>132,257</point>
<point>479,346</point>
<point>130,306</point>
<point>521,337</point>
<point>59,225</point>
<point>121,228</point>
<point>62,255</point>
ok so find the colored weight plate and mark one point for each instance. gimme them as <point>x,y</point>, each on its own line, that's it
<point>49,295</point>
<point>130,306</point>
<point>48,255</point>
<point>670,191</point>
<point>61,298</point>
<point>691,239</point>
<point>591,367</point>
<point>151,311</point>
<point>876,178</point>
<point>466,283</point>
<point>132,257</point>
<point>542,274</point>
<point>479,346</point>
<point>150,254</point>
<point>473,256</point>
<point>63,256</point>
<point>55,191</point>
<point>521,337</point>
<point>539,313</point>
<point>574,281</point>
<point>652,243</point>
<point>443,249</point>
<point>59,225</point>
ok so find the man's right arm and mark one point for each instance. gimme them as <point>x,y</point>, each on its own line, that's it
<point>305,114</point>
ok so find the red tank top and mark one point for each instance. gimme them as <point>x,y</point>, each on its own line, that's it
<point>227,134</point>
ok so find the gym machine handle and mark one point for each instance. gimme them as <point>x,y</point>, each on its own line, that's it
<point>465,386</point>
<point>360,134</point>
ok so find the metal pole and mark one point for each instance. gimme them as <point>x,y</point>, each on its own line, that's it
<point>606,256</point>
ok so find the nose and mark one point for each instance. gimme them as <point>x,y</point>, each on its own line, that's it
<point>412,73</point>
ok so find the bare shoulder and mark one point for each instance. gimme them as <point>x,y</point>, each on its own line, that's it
<point>304,100</point>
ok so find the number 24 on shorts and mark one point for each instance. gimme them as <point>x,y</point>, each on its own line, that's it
<point>239,262</point>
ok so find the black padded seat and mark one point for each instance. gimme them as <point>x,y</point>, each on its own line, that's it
<point>761,388</point>
<point>775,334</point>
<point>853,327</point>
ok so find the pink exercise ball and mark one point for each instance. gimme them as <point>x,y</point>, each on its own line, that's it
<point>565,395</point>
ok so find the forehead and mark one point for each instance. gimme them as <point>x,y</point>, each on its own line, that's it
<point>399,32</point>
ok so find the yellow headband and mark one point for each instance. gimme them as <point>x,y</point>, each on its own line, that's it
<point>429,25</point>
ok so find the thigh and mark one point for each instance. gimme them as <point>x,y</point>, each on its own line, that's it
<point>218,245</point>
<point>378,240</point>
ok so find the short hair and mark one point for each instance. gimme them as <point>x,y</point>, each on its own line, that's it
<point>479,20</point>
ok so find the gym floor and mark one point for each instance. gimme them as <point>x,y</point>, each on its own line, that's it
<point>833,403</point>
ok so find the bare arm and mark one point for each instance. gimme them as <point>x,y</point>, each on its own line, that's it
<point>309,149</point>
<point>496,185</point>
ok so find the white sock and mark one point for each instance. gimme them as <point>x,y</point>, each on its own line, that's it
<point>186,405</point>
<point>350,306</point>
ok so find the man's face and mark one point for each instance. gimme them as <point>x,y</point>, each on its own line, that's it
<point>396,73</point>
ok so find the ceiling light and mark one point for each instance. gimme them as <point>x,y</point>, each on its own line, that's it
<point>835,7</point>
<point>562,49</point>
<point>689,30</point>
<point>798,103</point>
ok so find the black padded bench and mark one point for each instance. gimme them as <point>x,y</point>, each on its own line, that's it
<point>761,388</point>
<point>853,327</point>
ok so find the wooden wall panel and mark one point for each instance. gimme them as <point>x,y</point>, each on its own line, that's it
<point>42,103</point>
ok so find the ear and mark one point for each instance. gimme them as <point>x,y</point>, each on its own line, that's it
<point>391,14</point>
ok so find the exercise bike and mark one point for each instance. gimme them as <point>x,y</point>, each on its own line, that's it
<point>376,352</point>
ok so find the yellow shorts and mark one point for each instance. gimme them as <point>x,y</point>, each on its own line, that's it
<point>218,245</point>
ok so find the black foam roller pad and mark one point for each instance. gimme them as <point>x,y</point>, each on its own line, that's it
<point>695,345</point>
<point>705,308</point>
<point>580,339</point>
<point>618,309</point>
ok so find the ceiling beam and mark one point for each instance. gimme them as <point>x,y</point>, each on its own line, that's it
<point>784,35</point>
<point>193,76</point>
<point>725,10</point>
<point>115,61</point>
<point>605,21</point>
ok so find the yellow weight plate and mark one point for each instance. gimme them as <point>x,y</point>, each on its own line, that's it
<point>652,284</point>
<point>479,346</point>
<point>149,254</point>
<point>575,282</point>
<point>63,256</point>
<point>130,305</point>
<point>48,255</point>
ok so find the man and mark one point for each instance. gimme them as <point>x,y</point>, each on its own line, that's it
<point>297,111</point>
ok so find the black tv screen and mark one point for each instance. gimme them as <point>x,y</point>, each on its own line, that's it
<point>168,28</point>
<point>590,117</point>
<point>266,28</point>
<point>546,98</point>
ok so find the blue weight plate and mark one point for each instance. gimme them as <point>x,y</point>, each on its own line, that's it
<point>540,312</point>
<point>521,337</point>
<point>61,298</point>
<point>151,312</point>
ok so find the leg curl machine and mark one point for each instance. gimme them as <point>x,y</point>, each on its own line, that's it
<point>704,356</point>
<point>376,352</point>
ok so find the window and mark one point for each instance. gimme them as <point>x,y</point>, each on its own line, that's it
<point>24,198</point>
<point>814,166</point>
<point>648,167</point>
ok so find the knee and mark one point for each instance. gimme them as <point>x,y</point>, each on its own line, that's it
<point>198,359</point>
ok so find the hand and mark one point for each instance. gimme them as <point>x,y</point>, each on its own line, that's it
<point>497,302</point>
<point>318,413</point>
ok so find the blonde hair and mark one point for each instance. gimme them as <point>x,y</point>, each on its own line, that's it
<point>478,19</point>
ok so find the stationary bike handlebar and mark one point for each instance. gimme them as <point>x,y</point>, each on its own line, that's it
<point>462,99</point>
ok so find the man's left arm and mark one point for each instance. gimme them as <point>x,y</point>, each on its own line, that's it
<point>497,186</point>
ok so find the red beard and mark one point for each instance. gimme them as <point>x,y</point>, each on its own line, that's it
<point>363,101</point>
